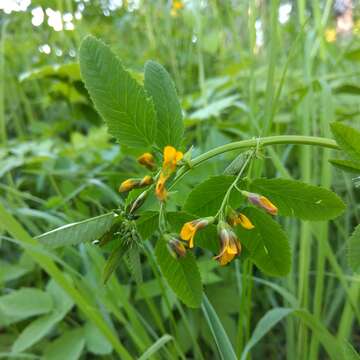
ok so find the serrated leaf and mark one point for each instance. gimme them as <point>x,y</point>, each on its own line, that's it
<point>205,199</point>
<point>295,198</point>
<point>182,274</point>
<point>348,139</point>
<point>76,233</point>
<point>354,249</point>
<point>346,165</point>
<point>160,87</point>
<point>266,243</point>
<point>26,302</point>
<point>120,100</point>
<point>68,346</point>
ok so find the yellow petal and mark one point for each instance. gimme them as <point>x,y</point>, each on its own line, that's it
<point>244,221</point>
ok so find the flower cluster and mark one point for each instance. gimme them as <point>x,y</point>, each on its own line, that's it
<point>230,246</point>
<point>171,159</point>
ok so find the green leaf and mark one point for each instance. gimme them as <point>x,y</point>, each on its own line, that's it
<point>96,343</point>
<point>348,139</point>
<point>68,346</point>
<point>147,224</point>
<point>266,323</point>
<point>76,233</point>
<point>120,100</point>
<point>182,274</point>
<point>159,85</point>
<point>132,259</point>
<point>294,198</point>
<point>205,199</point>
<point>354,249</point>
<point>114,259</point>
<point>267,243</point>
<point>155,347</point>
<point>222,340</point>
<point>26,302</point>
<point>347,165</point>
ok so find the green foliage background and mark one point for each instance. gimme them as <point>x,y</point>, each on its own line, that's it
<point>58,165</point>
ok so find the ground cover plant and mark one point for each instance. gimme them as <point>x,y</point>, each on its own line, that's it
<point>180,184</point>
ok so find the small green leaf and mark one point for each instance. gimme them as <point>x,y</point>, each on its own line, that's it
<point>26,302</point>
<point>155,347</point>
<point>120,100</point>
<point>267,243</point>
<point>348,139</point>
<point>182,274</point>
<point>295,198</point>
<point>354,249</point>
<point>68,346</point>
<point>346,165</point>
<point>114,259</point>
<point>132,259</point>
<point>76,233</point>
<point>96,343</point>
<point>205,199</point>
<point>147,224</point>
<point>160,87</point>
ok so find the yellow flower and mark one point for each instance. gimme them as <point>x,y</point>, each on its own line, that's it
<point>145,181</point>
<point>178,5</point>
<point>147,160</point>
<point>241,219</point>
<point>171,160</point>
<point>230,245</point>
<point>190,228</point>
<point>330,35</point>
<point>261,201</point>
<point>128,185</point>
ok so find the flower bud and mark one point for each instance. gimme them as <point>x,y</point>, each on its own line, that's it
<point>176,248</point>
<point>261,201</point>
<point>147,160</point>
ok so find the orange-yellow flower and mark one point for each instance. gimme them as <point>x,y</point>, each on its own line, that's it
<point>147,160</point>
<point>261,201</point>
<point>128,185</point>
<point>230,245</point>
<point>190,228</point>
<point>241,219</point>
<point>171,160</point>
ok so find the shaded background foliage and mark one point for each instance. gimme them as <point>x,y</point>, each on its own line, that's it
<point>242,69</point>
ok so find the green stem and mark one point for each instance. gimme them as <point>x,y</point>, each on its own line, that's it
<point>252,143</point>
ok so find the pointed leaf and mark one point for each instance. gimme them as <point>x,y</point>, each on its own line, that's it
<point>160,87</point>
<point>76,233</point>
<point>119,99</point>
<point>348,139</point>
<point>346,165</point>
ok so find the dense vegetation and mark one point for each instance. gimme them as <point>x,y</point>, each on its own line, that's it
<point>237,121</point>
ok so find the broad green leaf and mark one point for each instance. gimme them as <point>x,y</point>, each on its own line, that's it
<point>348,139</point>
<point>10,272</point>
<point>267,243</point>
<point>68,346</point>
<point>76,233</point>
<point>36,330</point>
<point>294,198</point>
<point>205,199</point>
<point>96,343</point>
<point>222,341</point>
<point>159,85</point>
<point>347,165</point>
<point>26,302</point>
<point>354,249</point>
<point>266,323</point>
<point>155,347</point>
<point>147,224</point>
<point>182,274</point>
<point>132,259</point>
<point>120,100</point>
